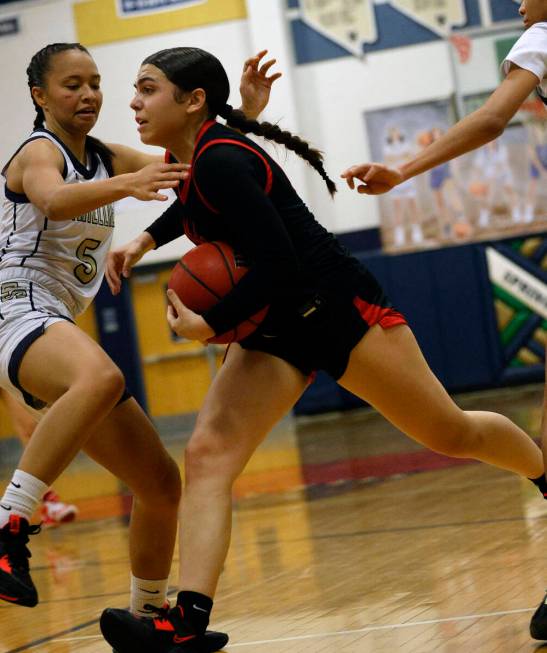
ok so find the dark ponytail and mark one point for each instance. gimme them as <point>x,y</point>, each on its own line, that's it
<point>37,71</point>
<point>238,120</point>
<point>190,68</point>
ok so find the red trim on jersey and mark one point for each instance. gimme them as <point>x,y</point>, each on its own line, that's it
<point>232,141</point>
<point>374,314</point>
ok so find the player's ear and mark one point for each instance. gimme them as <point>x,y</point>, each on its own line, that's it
<point>197,100</point>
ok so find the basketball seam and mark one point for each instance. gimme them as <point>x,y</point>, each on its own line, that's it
<point>198,280</point>
<point>225,260</point>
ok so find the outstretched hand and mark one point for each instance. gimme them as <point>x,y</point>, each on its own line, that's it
<point>255,86</point>
<point>119,263</point>
<point>184,322</point>
<point>376,178</point>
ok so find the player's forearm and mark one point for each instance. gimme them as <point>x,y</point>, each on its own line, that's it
<point>472,132</point>
<point>71,200</point>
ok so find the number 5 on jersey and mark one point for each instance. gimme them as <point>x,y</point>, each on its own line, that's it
<point>86,271</point>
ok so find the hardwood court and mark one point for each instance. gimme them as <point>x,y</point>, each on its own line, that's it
<point>347,537</point>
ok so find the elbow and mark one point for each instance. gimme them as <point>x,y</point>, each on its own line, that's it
<point>53,211</point>
<point>493,124</point>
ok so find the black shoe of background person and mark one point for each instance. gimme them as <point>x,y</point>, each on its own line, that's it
<point>538,623</point>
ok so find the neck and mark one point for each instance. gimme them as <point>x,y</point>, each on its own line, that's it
<point>183,147</point>
<point>74,141</point>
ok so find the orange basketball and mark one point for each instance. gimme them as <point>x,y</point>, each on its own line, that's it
<point>204,275</point>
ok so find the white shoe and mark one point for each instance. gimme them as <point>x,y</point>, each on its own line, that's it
<point>398,236</point>
<point>416,234</point>
<point>55,512</point>
<point>484,218</point>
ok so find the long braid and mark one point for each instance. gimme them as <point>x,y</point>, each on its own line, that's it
<point>37,71</point>
<point>238,120</point>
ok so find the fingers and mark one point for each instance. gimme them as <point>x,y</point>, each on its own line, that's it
<point>175,301</point>
<point>254,61</point>
<point>112,281</point>
<point>372,171</point>
<point>266,66</point>
<point>112,276</point>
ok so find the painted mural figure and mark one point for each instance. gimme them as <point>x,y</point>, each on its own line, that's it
<point>404,208</point>
<point>493,182</point>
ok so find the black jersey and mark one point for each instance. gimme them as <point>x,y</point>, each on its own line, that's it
<point>238,194</point>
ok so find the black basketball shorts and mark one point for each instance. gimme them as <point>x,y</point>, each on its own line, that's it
<point>323,333</point>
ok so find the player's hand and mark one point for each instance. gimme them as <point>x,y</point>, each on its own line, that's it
<point>184,322</point>
<point>121,260</point>
<point>255,86</point>
<point>147,182</point>
<point>376,177</point>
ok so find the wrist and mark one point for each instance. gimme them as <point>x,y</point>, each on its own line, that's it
<point>145,242</point>
<point>251,112</point>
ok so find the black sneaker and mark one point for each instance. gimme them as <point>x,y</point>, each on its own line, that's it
<point>16,585</point>
<point>538,623</point>
<point>167,633</point>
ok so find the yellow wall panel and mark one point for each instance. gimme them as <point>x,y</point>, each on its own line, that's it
<point>100,21</point>
<point>177,374</point>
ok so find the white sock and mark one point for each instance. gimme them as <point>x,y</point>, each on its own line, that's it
<point>21,497</point>
<point>152,592</point>
<point>529,213</point>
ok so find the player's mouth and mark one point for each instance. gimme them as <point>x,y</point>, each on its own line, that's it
<point>141,123</point>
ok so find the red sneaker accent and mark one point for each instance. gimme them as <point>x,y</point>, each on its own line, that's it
<point>164,624</point>
<point>15,524</point>
<point>12,599</point>
<point>5,564</point>
<point>178,640</point>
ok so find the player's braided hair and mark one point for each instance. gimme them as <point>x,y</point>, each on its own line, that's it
<point>37,72</point>
<point>190,68</point>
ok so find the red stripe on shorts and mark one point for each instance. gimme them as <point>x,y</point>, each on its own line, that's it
<point>374,314</point>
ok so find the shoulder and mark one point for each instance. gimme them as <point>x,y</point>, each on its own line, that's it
<point>232,158</point>
<point>41,151</point>
<point>534,39</point>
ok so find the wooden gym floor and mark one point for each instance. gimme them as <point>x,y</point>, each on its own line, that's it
<point>347,537</point>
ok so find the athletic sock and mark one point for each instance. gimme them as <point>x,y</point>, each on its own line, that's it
<point>21,497</point>
<point>541,483</point>
<point>196,608</point>
<point>147,592</point>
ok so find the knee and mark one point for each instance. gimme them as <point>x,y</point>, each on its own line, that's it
<point>105,383</point>
<point>164,488</point>
<point>207,457</point>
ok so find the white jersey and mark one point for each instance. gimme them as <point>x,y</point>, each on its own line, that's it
<point>65,256</point>
<point>530,53</point>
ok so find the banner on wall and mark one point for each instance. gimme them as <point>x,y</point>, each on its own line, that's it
<point>105,21</point>
<point>440,16</point>
<point>350,24</point>
<point>519,288</point>
<point>127,8</point>
<point>9,26</point>
<point>328,29</point>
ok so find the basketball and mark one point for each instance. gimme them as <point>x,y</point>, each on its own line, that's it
<point>204,275</point>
